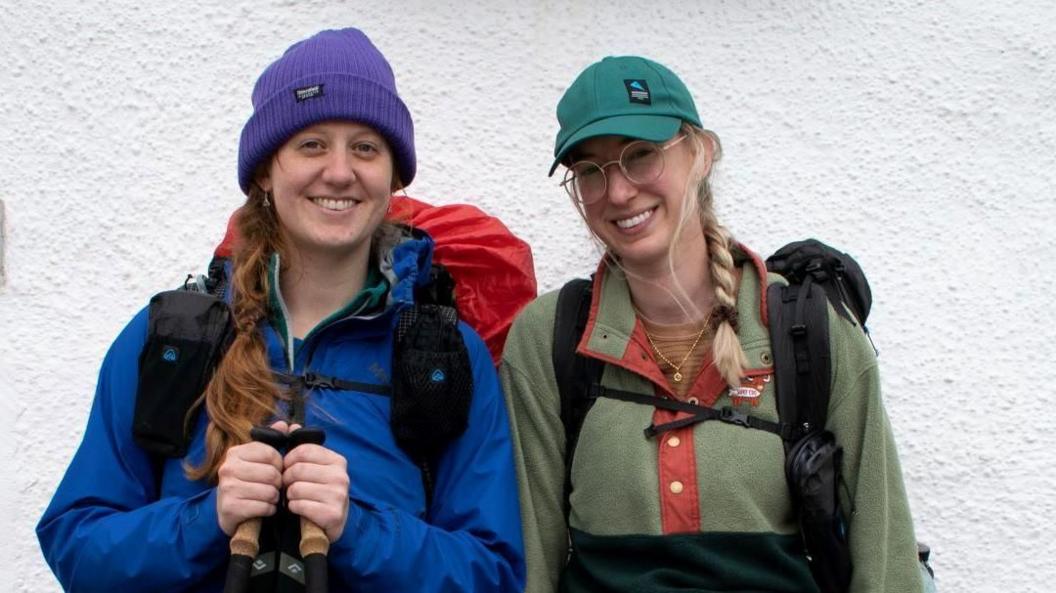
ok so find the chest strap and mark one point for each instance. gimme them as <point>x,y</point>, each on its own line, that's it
<point>725,414</point>
<point>309,380</point>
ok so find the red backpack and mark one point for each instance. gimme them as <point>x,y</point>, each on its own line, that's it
<point>492,268</point>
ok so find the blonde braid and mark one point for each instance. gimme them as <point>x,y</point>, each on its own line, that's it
<point>729,357</point>
<point>726,348</point>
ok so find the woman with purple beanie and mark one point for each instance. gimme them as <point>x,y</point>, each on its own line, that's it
<point>317,285</point>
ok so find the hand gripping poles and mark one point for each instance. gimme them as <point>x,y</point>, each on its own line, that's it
<point>314,544</point>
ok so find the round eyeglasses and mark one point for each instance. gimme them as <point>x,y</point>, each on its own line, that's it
<point>640,162</point>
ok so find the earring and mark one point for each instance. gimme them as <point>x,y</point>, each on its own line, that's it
<point>267,199</point>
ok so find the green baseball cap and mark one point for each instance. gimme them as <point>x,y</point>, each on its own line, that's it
<point>623,96</point>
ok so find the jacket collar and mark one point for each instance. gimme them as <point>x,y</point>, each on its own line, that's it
<point>390,284</point>
<point>613,333</point>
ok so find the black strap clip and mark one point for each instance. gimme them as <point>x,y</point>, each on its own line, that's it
<point>731,416</point>
<point>312,381</point>
<point>816,268</point>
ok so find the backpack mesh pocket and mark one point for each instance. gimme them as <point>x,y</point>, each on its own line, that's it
<point>432,384</point>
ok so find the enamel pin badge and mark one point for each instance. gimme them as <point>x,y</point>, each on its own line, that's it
<point>749,391</point>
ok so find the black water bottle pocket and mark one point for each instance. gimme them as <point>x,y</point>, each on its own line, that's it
<point>432,381</point>
<point>813,469</point>
<point>187,335</point>
<point>431,396</point>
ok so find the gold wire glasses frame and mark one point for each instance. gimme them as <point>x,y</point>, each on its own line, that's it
<point>640,162</point>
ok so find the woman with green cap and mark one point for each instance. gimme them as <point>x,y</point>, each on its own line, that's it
<point>677,310</point>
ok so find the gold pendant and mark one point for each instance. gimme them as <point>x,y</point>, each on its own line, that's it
<point>677,377</point>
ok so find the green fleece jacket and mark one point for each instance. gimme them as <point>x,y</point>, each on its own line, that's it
<point>710,510</point>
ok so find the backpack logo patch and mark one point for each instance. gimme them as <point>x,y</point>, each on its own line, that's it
<point>170,354</point>
<point>638,91</point>
<point>437,376</point>
<point>750,391</point>
<point>379,373</point>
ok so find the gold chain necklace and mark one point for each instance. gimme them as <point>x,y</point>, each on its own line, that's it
<point>677,377</point>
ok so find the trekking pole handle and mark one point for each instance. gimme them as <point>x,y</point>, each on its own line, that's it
<point>244,547</point>
<point>314,544</point>
<point>313,539</point>
<point>246,540</point>
<point>245,543</point>
<point>314,547</point>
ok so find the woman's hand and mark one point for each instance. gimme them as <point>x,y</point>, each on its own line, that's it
<point>249,481</point>
<point>316,481</point>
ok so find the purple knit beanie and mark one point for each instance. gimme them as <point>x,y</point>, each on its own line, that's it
<point>331,75</point>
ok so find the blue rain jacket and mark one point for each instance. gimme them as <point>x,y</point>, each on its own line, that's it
<point>113,526</point>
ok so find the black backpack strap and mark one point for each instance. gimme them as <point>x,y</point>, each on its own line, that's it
<point>432,385</point>
<point>799,340</point>
<point>216,281</point>
<point>188,333</point>
<point>189,330</point>
<point>440,290</point>
<point>575,374</point>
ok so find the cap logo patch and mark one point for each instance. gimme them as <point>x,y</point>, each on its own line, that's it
<point>308,92</point>
<point>638,91</point>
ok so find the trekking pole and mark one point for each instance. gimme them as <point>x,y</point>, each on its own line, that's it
<point>244,546</point>
<point>245,543</point>
<point>314,544</point>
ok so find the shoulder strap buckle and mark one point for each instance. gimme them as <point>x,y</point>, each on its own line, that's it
<point>312,381</point>
<point>731,416</point>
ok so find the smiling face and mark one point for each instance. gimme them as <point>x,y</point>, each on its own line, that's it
<point>637,222</point>
<point>331,184</point>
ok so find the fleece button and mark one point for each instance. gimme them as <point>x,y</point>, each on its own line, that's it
<point>674,442</point>
<point>676,487</point>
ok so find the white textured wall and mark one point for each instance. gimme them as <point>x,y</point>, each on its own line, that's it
<point>919,136</point>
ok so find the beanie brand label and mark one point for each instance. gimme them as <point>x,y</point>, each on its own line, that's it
<point>308,92</point>
<point>638,91</point>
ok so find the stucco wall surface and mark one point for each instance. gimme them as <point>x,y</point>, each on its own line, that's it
<point>919,136</point>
